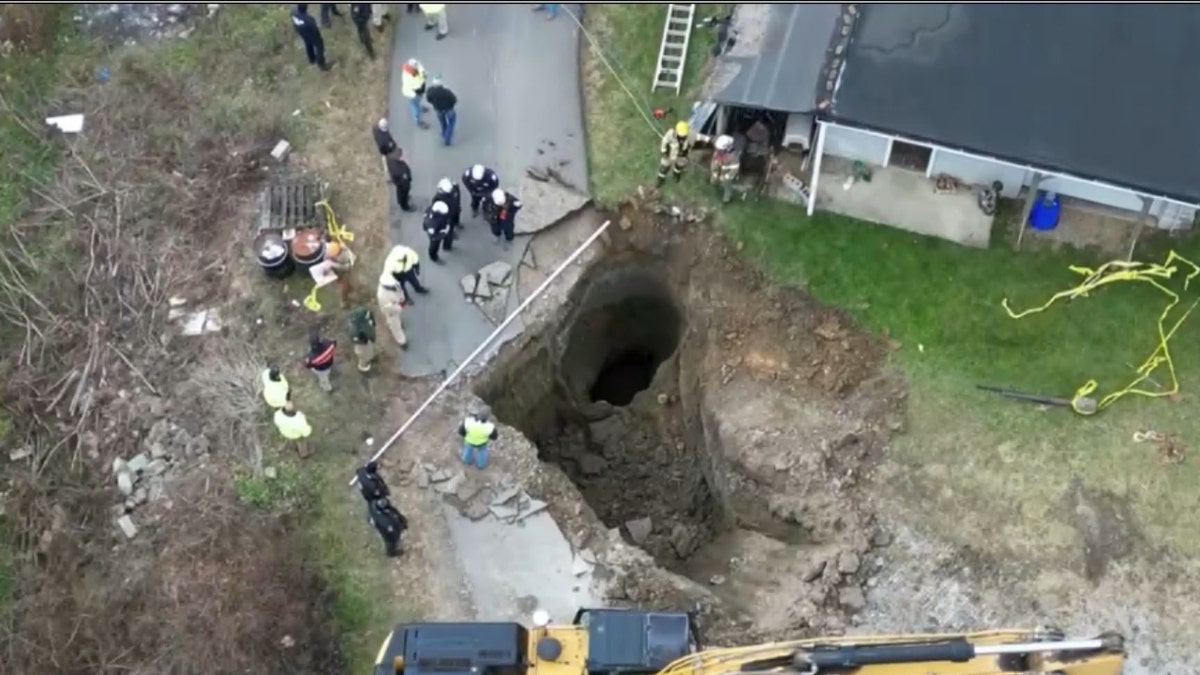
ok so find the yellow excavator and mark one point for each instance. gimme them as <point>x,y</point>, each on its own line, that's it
<point>634,642</point>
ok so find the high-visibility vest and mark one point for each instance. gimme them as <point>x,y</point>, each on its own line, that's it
<point>400,260</point>
<point>411,82</point>
<point>293,427</point>
<point>274,391</point>
<point>478,433</point>
<point>432,9</point>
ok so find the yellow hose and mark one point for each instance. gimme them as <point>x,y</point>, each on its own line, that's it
<point>1118,271</point>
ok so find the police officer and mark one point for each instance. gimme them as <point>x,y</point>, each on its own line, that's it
<point>360,16</point>
<point>389,523</point>
<point>449,194</point>
<point>480,181</point>
<point>383,140</point>
<point>404,266</point>
<point>401,177</point>
<point>502,215</point>
<point>275,387</point>
<point>437,226</point>
<point>674,149</point>
<point>306,28</point>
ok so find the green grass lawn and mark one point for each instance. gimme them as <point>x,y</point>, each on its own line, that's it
<point>969,462</point>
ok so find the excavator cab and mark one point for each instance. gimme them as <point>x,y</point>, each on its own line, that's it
<point>634,642</point>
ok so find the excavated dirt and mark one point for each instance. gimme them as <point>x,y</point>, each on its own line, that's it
<point>718,422</point>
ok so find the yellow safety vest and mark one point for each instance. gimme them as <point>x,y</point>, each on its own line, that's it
<point>400,260</point>
<point>478,433</point>
<point>293,427</point>
<point>432,9</point>
<point>275,392</point>
<point>409,83</point>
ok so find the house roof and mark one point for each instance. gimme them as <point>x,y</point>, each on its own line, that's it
<point>778,60</point>
<point>1106,92</point>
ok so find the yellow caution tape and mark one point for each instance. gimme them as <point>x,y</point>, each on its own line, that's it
<point>1118,271</point>
<point>337,232</point>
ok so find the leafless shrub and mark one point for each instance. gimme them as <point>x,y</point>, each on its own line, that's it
<point>227,388</point>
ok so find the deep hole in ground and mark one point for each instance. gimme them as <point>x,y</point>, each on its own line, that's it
<point>574,392</point>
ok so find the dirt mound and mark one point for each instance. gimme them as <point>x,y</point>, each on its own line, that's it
<point>722,424</point>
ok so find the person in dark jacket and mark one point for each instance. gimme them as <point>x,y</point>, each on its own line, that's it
<point>443,101</point>
<point>501,214</point>
<point>384,142</point>
<point>371,485</point>
<point>480,181</point>
<point>320,359</point>
<point>389,523</point>
<point>306,28</point>
<point>401,177</point>
<point>448,192</point>
<point>360,16</point>
<point>437,226</point>
<point>329,10</point>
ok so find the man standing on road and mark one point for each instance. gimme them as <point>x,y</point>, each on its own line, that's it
<point>391,303</point>
<point>435,17</point>
<point>443,101</point>
<point>437,226</point>
<point>383,140</point>
<point>362,334</point>
<point>502,215</point>
<point>314,45</point>
<point>320,359</point>
<point>294,427</point>
<point>360,15</point>
<point>275,388</point>
<point>389,523</point>
<point>476,432</point>
<point>480,182</point>
<point>449,194</point>
<point>412,86</point>
<point>404,266</point>
<point>401,177</point>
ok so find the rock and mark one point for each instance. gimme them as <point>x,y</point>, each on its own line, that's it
<point>440,476</point>
<point>881,539</point>
<point>716,580</point>
<point>119,466</point>
<point>156,450</point>
<point>422,478</point>
<point>535,506</point>
<point>158,489</point>
<point>587,555</point>
<point>497,273</point>
<point>476,511</point>
<point>625,223</point>
<point>852,599</point>
<point>505,513</point>
<point>592,464</point>
<point>848,563</point>
<point>127,526</point>
<point>469,490</point>
<point>814,571</point>
<point>683,540</point>
<point>125,483</point>
<point>281,150</point>
<point>156,468</point>
<point>140,496</point>
<point>271,473</point>
<point>468,284</point>
<point>639,530</point>
<point>451,486</point>
<point>139,463</point>
<point>506,496</point>
<point>198,446</point>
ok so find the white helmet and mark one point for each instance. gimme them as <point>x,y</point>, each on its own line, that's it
<point>724,142</point>
<point>445,185</point>
<point>541,618</point>
<point>498,197</point>
<point>440,207</point>
<point>414,63</point>
<point>383,124</point>
<point>477,172</point>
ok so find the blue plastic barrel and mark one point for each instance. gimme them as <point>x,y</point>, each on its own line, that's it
<point>1046,211</point>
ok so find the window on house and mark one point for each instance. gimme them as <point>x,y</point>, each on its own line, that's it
<point>909,156</point>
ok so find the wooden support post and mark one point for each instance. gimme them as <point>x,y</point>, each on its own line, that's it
<point>1141,223</point>
<point>1027,207</point>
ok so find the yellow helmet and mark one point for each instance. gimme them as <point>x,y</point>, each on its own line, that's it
<point>682,129</point>
<point>333,249</point>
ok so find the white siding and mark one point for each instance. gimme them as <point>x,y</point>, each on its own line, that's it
<point>975,171</point>
<point>852,144</point>
<point>1099,194</point>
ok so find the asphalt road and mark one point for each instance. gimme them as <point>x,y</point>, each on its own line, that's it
<point>516,77</point>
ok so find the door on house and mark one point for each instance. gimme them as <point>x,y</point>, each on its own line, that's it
<point>910,156</point>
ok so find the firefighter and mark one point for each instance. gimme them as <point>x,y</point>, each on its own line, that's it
<point>480,181</point>
<point>725,166</point>
<point>389,523</point>
<point>341,260</point>
<point>674,149</point>
<point>502,215</point>
<point>449,194</point>
<point>437,226</point>
<point>404,266</point>
<point>362,335</point>
<point>275,387</point>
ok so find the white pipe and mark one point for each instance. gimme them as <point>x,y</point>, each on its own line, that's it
<point>1040,647</point>
<point>484,345</point>
<point>816,170</point>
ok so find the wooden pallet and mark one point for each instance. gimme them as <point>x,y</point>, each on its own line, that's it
<point>290,204</point>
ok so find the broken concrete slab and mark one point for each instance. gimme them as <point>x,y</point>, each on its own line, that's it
<point>639,529</point>
<point>451,486</point>
<point>546,203</point>
<point>505,513</point>
<point>468,284</point>
<point>506,495</point>
<point>127,526</point>
<point>156,467</point>
<point>852,598</point>
<point>440,476</point>
<point>587,555</point>
<point>848,562</point>
<point>119,466</point>
<point>138,463</point>
<point>197,323</point>
<point>422,478</point>
<point>125,483</point>
<point>535,507</point>
<point>497,274</point>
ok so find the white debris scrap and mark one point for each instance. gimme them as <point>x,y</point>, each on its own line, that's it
<point>68,124</point>
<point>127,526</point>
<point>281,150</point>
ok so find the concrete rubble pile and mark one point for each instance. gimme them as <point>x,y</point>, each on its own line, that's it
<point>144,478</point>
<point>488,288</point>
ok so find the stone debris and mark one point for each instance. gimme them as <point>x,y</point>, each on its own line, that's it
<point>506,496</point>
<point>281,150</point>
<point>451,486</point>
<point>848,563</point>
<point>127,526</point>
<point>639,530</point>
<point>144,477</point>
<point>588,556</point>
<point>497,273</point>
<point>125,483</point>
<point>506,513</point>
<point>138,464</point>
<point>852,599</point>
<point>271,473</point>
<point>716,580</point>
<point>533,507</point>
<point>196,323</point>
<point>20,453</point>
<point>440,476</point>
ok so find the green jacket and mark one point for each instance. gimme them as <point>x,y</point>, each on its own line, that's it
<point>362,321</point>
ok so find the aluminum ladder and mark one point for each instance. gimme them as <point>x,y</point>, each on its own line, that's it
<point>672,51</point>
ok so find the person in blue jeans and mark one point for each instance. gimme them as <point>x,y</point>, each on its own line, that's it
<point>443,101</point>
<point>550,9</point>
<point>477,431</point>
